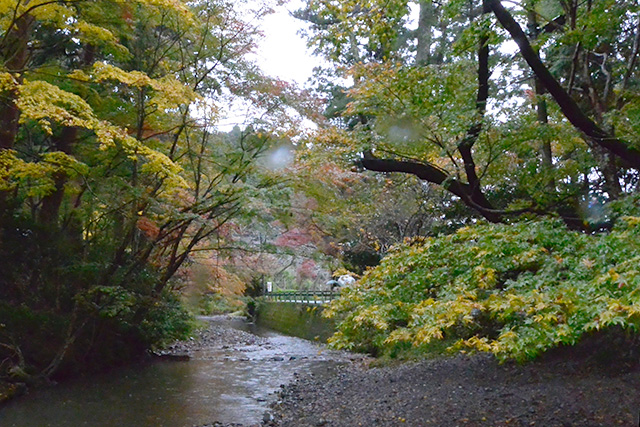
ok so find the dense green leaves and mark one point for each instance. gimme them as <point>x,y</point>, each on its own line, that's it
<point>449,97</point>
<point>515,291</point>
<point>112,170</point>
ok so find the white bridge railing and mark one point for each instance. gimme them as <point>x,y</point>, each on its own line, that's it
<point>302,297</point>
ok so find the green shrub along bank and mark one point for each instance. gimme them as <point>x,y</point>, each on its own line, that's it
<point>512,290</point>
<point>58,316</point>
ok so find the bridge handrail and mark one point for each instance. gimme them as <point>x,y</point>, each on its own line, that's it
<point>316,297</point>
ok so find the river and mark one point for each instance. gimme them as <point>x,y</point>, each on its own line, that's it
<point>231,378</point>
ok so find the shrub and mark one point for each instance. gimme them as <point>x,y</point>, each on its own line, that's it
<point>513,290</point>
<point>57,319</point>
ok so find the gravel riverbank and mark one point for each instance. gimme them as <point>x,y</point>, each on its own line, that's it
<point>217,333</point>
<point>465,391</point>
<point>566,389</point>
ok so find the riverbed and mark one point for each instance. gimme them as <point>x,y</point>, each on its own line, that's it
<point>229,374</point>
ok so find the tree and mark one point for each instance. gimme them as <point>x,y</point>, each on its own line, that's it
<point>514,290</point>
<point>111,170</point>
<point>478,120</point>
<point>361,216</point>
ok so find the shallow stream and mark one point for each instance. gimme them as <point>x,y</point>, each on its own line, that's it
<point>227,384</point>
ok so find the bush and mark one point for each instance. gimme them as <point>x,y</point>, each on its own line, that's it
<point>57,319</point>
<point>217,303</point>
<point>513,290</point>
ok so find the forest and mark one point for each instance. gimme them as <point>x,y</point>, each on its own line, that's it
<point>474,164</point>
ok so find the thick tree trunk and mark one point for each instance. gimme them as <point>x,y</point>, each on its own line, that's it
<point>466,146</point>
<point>15,54</point>
<point>541,106</point>
<point>50,208</point>
<point>426,21</point>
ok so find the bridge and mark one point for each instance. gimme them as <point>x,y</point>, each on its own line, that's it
<point>302,297</point>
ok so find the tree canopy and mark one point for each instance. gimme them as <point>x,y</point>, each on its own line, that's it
<point>438,116</point>
<point>519,114</point>
<point>525,109</point>
<point>112,170</point>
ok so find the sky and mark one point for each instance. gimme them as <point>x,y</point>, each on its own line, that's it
<point>283,53</point>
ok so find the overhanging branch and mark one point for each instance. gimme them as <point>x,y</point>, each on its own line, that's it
<point>433,174</point>
<point>567,105</point>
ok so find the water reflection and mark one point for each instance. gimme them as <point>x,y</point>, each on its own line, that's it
<point>225,385</point>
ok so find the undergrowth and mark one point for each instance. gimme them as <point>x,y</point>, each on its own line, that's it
<point>512,290</point>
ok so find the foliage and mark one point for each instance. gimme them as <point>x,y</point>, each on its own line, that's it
<point>212,304</point>
<point>358,216</point>
<point>548,131</point>
<point>112,172</point>
<point>444,98</point>
<point>51,298</point>
<point>513,290</point>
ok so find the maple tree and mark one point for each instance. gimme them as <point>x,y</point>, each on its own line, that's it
<point>512,290</point>
<point>538,131</point>
<point>525,113</point>
<point>112,172</point>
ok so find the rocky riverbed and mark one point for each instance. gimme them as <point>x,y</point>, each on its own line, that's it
<point>466,391</point>
<point>565,389</point>
<point>282,358</point>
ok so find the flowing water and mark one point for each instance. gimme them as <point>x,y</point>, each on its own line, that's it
<point>228,384</point>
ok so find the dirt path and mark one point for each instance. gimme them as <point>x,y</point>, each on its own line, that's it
<point>466,391</point>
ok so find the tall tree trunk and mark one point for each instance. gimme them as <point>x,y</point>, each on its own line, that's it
<point>466,146</point>
<point>50,209</point>
<point>15,54</point>
<point>541,106</point>
<point>426,21</point>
